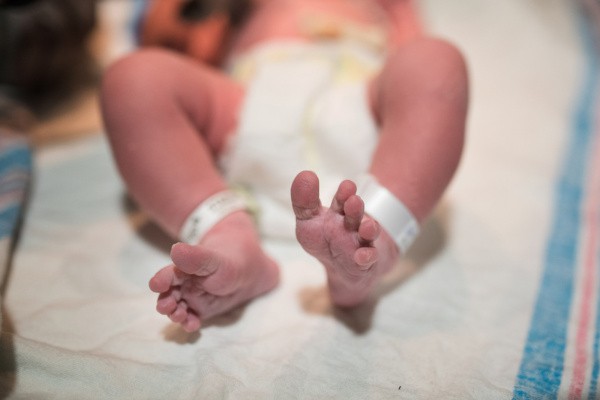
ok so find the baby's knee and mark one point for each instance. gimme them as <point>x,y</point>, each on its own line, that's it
<point>432,49</point>
<point>435,66</point>
<point>133,74</point>
<point>429,54</point>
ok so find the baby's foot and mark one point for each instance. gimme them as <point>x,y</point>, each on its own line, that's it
<point>355,251</point>
<point>225,270</point>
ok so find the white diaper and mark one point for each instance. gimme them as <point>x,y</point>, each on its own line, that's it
<point>306,107</point>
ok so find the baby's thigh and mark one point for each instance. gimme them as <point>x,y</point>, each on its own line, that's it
<point>173,89</point>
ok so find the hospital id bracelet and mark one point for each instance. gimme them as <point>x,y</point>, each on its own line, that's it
<point>208,214</point>
<point>386,209</point>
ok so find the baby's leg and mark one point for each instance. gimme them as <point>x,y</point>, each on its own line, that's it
<point>420,103</point>
<point>167,119</point>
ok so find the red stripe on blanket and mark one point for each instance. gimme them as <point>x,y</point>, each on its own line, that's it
<point>588,276</point>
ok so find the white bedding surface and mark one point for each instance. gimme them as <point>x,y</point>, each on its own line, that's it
<point>450,322</point>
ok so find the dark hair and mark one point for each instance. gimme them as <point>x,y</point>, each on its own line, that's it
<point>197,10</point>
<point>43,48</point>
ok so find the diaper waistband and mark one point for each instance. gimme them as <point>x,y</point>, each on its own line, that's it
<point>351,60</point>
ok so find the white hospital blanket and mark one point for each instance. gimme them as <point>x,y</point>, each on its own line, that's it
<point>450,322</point>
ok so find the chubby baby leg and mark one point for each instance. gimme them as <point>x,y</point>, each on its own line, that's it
<point>352,247</point>
<point>419,101</point>
<point>167,118</point>
<point>226,269</point>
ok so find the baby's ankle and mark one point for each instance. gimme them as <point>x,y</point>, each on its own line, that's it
<point>235,225</point>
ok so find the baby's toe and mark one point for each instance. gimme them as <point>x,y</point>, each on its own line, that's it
<point>345,190</point>
<point>365,257</point>
<point>353,212</point>
<point>166,304</point>
<point>305,195</point>
<point>192,323</point>
<point>164,279</point>
<point>180,314</point>
<point>369,230</point>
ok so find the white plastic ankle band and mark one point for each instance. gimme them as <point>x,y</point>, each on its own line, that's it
<point>208,213</point>
<point>391,214</point>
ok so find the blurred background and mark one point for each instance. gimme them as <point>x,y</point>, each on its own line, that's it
<point>52,53</point>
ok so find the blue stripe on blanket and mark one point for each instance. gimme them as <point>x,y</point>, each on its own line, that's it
<point>542,364</point>
<point>15,171</point>
<point>593,390</point>
<point>135,23</point>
